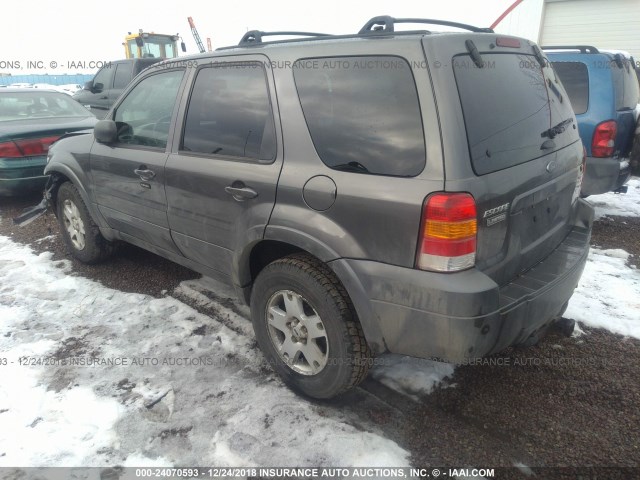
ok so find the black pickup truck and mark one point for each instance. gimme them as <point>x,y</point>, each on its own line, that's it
<point>99,94</point>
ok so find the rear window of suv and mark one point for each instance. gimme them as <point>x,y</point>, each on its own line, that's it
<point>363,113</point>
<point>575,78</point>
<point>508,106</point>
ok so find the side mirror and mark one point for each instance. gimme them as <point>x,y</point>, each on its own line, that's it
<point>105,131</point>
<point>183,46</point>
<point>97,87</point>
<point>139,42</point>
<point>88,85</point>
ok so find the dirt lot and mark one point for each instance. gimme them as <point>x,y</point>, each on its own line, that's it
<point>567,402</point>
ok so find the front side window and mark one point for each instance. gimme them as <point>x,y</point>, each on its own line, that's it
<point>144,116</point>
<point>103,79</point>
<point>230,114</point>
<point>363,114</point>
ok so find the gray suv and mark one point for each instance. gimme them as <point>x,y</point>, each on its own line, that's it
<point>407,192</point>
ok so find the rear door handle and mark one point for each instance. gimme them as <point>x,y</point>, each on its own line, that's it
<point>240,192</point>
<point>144,173</point>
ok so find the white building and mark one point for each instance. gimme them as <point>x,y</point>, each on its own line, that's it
<point>605,24</point>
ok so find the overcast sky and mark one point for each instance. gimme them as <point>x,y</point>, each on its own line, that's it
<point>62,31</point>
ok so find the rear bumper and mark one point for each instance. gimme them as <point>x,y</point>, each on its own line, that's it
<point>17,186</point>
<point>466,315</point>
<point>604,175</point>
<point>22,175</point>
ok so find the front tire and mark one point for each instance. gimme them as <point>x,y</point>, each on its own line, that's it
<point>80,233</point>
<point>307,328</point>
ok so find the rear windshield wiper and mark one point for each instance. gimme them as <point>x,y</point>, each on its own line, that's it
<point>558,129</point>
<point>351,167</point>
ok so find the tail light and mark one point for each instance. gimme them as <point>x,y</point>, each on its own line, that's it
<point>9,150</point>
<point>447,233</point>
<point>26,148</point>
<point>603,141</point>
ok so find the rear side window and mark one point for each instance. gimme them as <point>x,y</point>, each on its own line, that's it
<point>508,107</point>
<point>230,113</point>
<point>625,83</point>
<point>363,114</point>
<point>575,78</point>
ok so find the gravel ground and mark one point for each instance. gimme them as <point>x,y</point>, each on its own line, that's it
<point>568,402</point>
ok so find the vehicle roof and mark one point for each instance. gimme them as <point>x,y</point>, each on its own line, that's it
<point>317,43</point>
<point>29,89</point>
<point>576,52</point>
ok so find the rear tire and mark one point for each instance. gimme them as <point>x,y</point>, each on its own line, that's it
<point>80,233</point>
<point>307,328</point>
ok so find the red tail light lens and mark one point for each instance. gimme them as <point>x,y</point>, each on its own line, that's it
<point>447,233</point>
<point>26,148</point>
<point>35,146</point>
<point>603,141</point>
<point>9,150</point>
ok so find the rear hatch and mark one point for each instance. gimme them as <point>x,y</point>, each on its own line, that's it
<point>524,162</point>
<point>625,84</point>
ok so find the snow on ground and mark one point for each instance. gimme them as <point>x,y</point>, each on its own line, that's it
<point>134,380</point>
<point>626,204</point>
<point>608,295</point>
<point>184,388</point>
<point>413,377</point>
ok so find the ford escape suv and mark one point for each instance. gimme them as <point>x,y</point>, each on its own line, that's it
<point>385,191</point>
<point>603,89</point>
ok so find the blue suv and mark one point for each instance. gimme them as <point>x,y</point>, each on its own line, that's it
<point>603,90</point>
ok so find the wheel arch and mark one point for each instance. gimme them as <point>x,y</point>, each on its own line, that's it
<point>61,173</point>
<point>273,247</point>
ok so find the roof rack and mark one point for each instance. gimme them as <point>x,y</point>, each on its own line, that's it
<point>581,48</point>
<point>253,37</point>
<point>386,24</point>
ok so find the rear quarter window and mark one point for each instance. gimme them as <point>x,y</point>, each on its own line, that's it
<point>363,113</point>
<point>575,78</point>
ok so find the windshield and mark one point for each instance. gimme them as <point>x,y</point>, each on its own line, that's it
<point>38,104</point>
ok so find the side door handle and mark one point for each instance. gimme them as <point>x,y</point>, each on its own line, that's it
<point>240,192</point>
<point>144,173</point>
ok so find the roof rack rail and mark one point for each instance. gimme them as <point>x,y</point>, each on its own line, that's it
<point>386,24</point>
<point>253,37</point>
<point>581,48</point>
